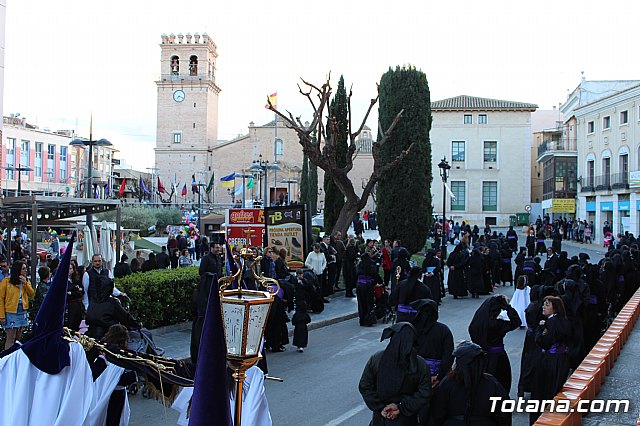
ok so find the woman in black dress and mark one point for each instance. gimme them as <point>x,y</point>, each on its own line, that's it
<point>552,336</point>
<point>488,331</point>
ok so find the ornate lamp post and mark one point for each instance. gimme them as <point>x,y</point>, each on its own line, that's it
<point>90,143</point>
<point>444,170</point>
<point>263,166</point>
<point>244,315</point>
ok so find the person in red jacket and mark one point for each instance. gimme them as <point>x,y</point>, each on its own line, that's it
<point>386,261</point>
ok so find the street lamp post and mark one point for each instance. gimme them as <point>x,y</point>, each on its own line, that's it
<point>244,176</point>
<point>288,182</point>
<point>18,169</point>
<point>444,170</point>
<point>90,143</point>
<point>262,165</point>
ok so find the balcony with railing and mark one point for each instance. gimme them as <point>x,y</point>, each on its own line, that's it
<point>606,182</point>
<point>559,146</point>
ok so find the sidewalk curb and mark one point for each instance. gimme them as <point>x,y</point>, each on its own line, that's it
<point>329,321</point>
<point>182,326</point>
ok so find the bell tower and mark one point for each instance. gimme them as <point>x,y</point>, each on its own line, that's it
<point>187,126</point>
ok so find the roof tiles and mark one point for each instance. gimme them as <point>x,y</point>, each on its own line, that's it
<point>472,103</point>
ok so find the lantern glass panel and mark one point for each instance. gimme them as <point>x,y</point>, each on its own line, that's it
<point>257,318</point>
<point>233,315</point>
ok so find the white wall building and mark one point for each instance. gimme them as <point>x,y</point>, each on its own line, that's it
<point>487,143</point>
<point>608,136</point>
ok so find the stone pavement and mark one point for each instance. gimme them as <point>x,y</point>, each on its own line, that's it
<point>176,339</point>
<point>621,383</point>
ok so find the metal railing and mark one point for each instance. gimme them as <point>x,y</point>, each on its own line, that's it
<point>620,180</point>
<point>606,182</point>
<point>563,145</point>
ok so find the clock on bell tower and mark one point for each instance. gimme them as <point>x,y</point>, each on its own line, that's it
<point>187,126</point>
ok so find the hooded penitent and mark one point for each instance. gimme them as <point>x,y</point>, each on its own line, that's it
<point>479,325</point>
<point>427,315</point>
<point>471,363</point>
<point>398,359</point>
<point>47,350</point>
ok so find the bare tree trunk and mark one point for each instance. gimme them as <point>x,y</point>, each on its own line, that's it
<point>323,152</point>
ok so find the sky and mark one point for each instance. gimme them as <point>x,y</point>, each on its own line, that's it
<point>67,60</point>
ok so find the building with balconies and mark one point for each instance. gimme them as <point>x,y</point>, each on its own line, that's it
<point>557,158</point>
<point>608,140</point>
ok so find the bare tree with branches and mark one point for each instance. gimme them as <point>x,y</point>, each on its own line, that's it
<point>323,152</point>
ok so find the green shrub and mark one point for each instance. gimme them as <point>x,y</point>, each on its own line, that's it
<point>161,297</point>
<point>167,216</point>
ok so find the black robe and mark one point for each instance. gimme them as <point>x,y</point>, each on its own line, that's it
<point>552,369</point>
<point>456,279</point>
<point>433,282</point>
<point>530,351</point>
<point>531,246</point>
<point>475,279</point>
<point>414,393</point>
<point>506,274</point>
<point>488,331</point>
<point>406,292</point>
<point>449,404</point>
<point>512,240</point>
<point>300,332</point>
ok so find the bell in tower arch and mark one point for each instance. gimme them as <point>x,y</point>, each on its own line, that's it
<point>175,65</point>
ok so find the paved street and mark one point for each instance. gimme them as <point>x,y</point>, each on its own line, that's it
<point>321,385</point>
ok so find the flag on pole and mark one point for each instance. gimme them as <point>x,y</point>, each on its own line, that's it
<point>184,190</point>
<point>143,186</point>
<point>194,184</point>
<point>211,182</point>
<point>250,183</point>
<point>122,187</point>
<point>273,99</point>
<point>160,186</point>
<point>228,181</point>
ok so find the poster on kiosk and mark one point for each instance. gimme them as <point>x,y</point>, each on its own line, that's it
<point>245,227</point>
<point>288,228</point>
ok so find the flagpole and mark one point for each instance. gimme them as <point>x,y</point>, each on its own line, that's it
<point>243,175</point>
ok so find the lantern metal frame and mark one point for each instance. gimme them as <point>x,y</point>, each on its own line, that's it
<point>241,362</point>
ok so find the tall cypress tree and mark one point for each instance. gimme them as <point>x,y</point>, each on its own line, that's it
<point>313,187</point>
<point>333,197</point>
<point>404,194</point>
<point>304,180</point>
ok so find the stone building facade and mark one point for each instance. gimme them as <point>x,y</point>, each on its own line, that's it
<point>487,143</point>
<point>187,125</point>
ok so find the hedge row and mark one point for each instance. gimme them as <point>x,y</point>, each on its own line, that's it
<point>161,297</point>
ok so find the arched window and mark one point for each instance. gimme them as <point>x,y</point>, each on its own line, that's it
<point>279,149</point>
<point>175,65</point>
<point>193,65</point>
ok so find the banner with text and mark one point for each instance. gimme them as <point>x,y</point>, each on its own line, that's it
<point>245,227</point>
<point>288,228</point>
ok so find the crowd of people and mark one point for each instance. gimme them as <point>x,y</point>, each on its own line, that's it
<point>564,303</point>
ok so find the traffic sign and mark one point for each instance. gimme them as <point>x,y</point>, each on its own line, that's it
<point>527,208</point>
